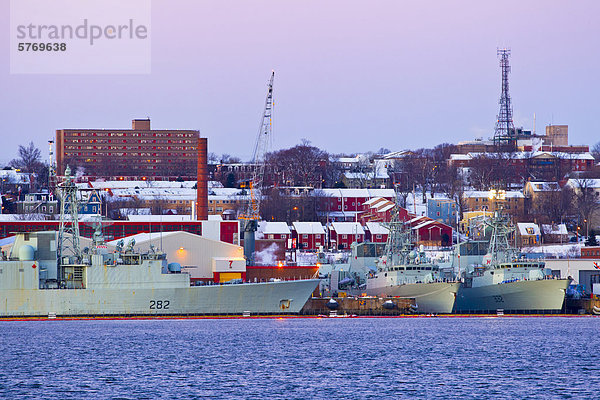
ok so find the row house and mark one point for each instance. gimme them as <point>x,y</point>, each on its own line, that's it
<point>376,232</point>
<point>343,234</point>
<point>309,235</point>
<point>275,231</point>
<point>347,202</point>
<point>378,209</point>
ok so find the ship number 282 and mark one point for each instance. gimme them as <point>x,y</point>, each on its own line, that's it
<point>159,304</point>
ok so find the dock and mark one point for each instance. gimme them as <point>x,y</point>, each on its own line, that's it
<point>360,306</point>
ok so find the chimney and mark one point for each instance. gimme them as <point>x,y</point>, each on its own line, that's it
<point>140,124</point>
<point>202,186</point>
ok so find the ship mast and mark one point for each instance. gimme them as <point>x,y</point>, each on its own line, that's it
<point>68,249</point>
<point>399,244</point>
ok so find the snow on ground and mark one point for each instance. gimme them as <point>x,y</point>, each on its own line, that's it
<point>567,250</point>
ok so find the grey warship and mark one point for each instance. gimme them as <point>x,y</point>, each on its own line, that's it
<point>505,281</point>
<point>46,274</point>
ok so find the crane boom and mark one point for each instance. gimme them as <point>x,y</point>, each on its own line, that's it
<point>263,140</point>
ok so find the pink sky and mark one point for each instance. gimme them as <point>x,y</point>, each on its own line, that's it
<point>350,75</point>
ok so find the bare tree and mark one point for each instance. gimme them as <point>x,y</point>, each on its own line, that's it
<point>596,152</point>
<point>586,201</point>
<point>29,158</point>
<point>301,165</point>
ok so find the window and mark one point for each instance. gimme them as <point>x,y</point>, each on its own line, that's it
<point>344,236</point>
<point>305,236</point>
<point>529,231</point>
<point>271,236</point>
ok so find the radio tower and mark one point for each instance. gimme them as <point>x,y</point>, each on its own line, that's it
<point>504,132</point>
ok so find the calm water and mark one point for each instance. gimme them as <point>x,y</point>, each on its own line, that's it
<point>360,358</point>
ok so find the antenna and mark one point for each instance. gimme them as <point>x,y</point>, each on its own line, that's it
<point>504,132</point>
<point>68,232</point>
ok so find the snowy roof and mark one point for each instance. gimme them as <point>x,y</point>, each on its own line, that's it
<point>424,224</point>
<point>303,228</point>
<point>377,228</point>
<point>528,228</point>
<point>159,218</point>
<point>366,193</point>
<point>544,186</point>
<point>526,155</point>
<point>152,193</point>
<point>590,183</point>
<point>348,159</point>
<point>231,192</point>
<point>460,157</point>
<point>386,207</point>
<point>135,211</point>
<point>415,219</point>
<point>348,228</point>
<point>143,237</point>
<point>14,177</point>
<point>374,200</point>
<point>381,174</point>
<point>269,227</point>
<point>335,214</point>
<point>559,229</point>
<point>482,193</point>
<point>397,154</point>
<point>142,184</point>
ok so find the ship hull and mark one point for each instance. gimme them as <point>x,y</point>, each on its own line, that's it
<point>540,296</point>
<point>255,298</point>
<point>430,298</point>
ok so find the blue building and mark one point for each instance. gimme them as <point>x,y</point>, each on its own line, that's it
<point>442,210</point>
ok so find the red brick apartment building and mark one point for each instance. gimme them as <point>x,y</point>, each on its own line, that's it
<point>139,152</point>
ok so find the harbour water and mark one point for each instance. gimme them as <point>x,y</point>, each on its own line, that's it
<point>302,358</point>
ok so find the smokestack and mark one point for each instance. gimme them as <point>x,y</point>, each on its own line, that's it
<point>202,186</point>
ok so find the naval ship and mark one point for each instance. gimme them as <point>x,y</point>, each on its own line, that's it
<point>404,272</point>
<point>126,283</point>
<point>505,281</point>
<point>46,274</point>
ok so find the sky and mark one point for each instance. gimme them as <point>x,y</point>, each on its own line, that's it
<point>350,76</point>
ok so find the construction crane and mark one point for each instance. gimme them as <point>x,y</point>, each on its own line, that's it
<point>263,140</point>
